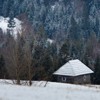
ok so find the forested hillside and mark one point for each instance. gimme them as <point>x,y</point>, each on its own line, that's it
<point>57,15</point>
<point>52,33</point>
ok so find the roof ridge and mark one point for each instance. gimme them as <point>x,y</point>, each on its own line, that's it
<point>72,67</point>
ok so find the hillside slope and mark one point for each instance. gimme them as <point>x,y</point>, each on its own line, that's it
<point>52,91</point>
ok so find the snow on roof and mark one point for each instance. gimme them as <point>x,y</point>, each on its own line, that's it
<point>73,68</point>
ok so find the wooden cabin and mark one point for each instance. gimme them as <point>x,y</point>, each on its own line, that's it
<point>74,72</point>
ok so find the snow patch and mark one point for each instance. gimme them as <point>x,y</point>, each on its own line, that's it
<point>53,7</point>
<point>4,25</point>
<point>50,41</point>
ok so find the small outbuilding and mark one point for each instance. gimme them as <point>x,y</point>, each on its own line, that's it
<point>75,72</point>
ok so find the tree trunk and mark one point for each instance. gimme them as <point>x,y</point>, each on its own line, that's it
<point>30,80</point>
<point>17,79</point>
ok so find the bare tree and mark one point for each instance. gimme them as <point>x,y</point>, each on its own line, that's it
<point>13,56</point>
<point>18,54</point>
<point>28,36</point>
<point>28,61</point>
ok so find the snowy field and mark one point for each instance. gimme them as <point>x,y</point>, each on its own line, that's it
<point>42,90</point>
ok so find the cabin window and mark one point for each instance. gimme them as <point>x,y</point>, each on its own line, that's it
<point>59,77</point>
<point>64,79</point>
<point>84,78</point>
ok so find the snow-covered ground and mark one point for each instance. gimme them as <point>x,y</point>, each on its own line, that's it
<point>4,25</point>
<point>42,90</point>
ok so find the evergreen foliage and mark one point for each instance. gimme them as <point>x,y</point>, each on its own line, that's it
<point>97,71</point>
<point>3,72</point>
<point>81,16</point>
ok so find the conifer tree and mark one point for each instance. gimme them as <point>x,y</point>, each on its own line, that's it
<point>97,71</point>
<point>2,67</point>
<point>1,2</point>
<point>64,53</point>
<point>11,24</point>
